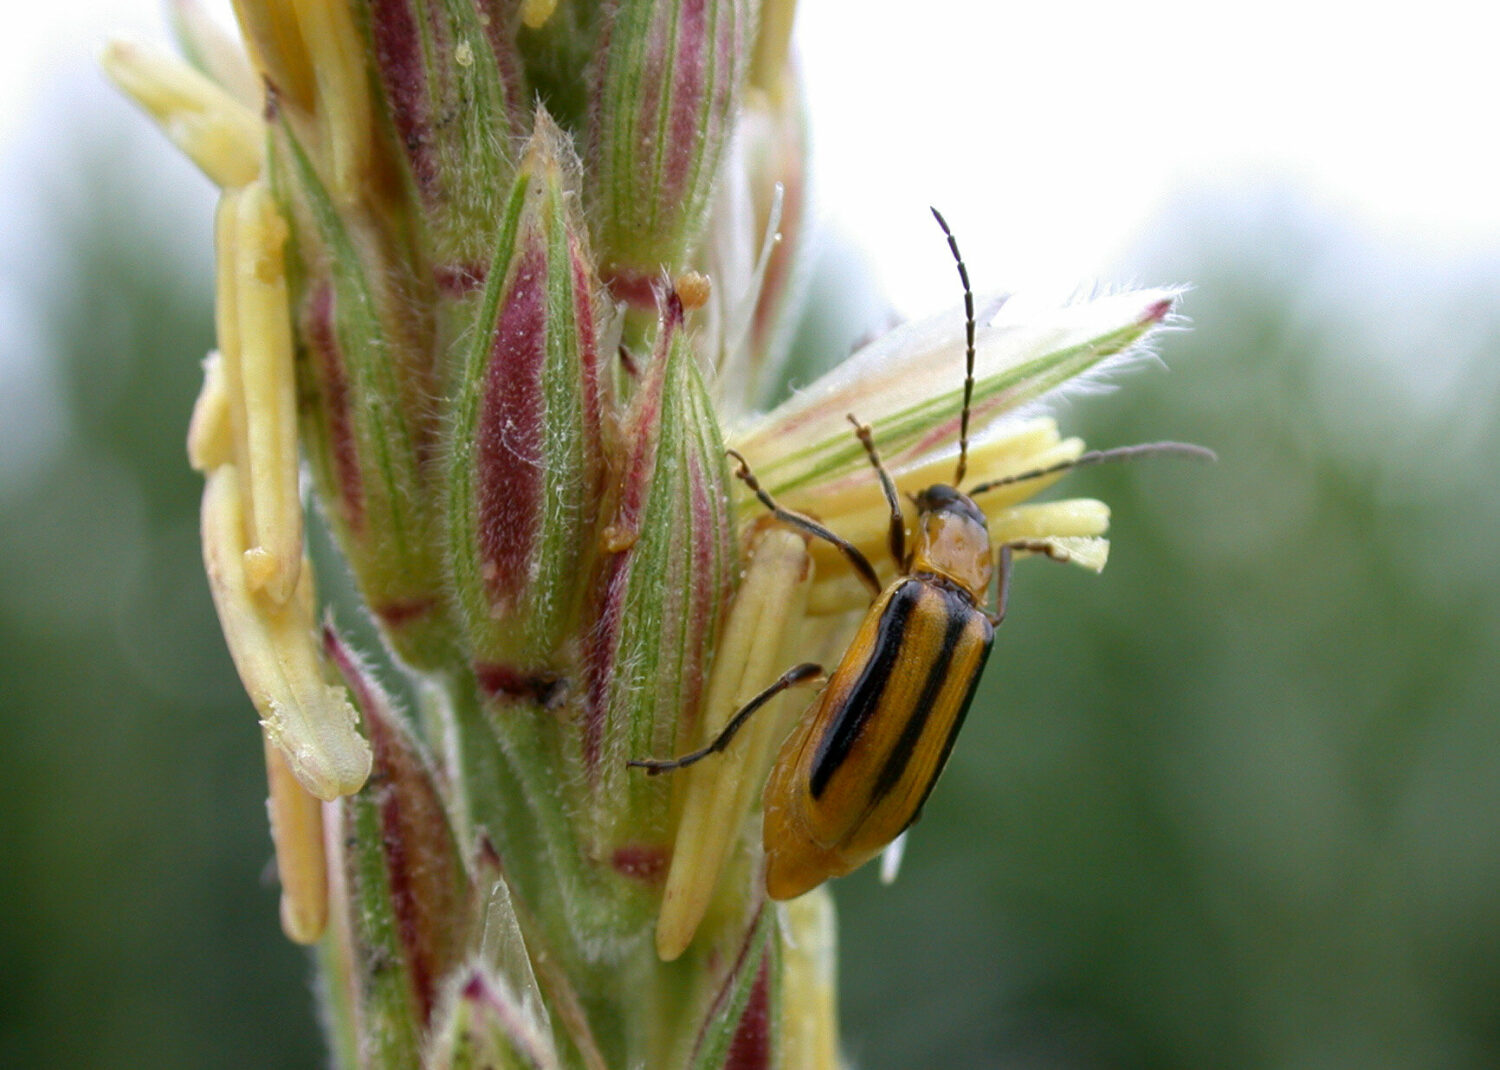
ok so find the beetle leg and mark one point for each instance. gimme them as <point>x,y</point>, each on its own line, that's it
<point>888,486</point>
<point>1002,587</point>
<point>791,678</point>
<point>805,523</point>
<point>1002,573</point>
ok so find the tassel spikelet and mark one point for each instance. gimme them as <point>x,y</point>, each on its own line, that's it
<point>500,286</point>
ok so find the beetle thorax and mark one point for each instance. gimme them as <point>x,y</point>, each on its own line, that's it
<point>952,541</point>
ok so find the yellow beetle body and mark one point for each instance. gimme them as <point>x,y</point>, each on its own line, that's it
<point>859,767</point>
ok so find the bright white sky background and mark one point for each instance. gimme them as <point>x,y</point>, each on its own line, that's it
<point>1050,133</point>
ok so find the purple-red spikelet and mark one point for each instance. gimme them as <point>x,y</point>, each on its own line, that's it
<point>527,459</point>
<point>320,331</point>
<point>406,872</point>
<point>661,588</point>
<point>668,84</point>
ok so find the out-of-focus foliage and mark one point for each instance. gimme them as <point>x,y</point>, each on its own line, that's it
<point>1233,803</point>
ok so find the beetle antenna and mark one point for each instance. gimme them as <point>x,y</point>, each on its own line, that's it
<point>1120,453</point>
<point>963,274</point>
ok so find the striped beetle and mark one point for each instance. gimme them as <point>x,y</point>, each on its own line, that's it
<point>856,771</point>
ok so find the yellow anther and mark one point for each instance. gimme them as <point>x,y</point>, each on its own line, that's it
<point>773,45</point>
<point>761,639</point>
<point>535,13</point>
<point>1089,553</point>
<point>274,647</point>
<point>1045,520</point>
<point>217,52</point>
<point>273,36</point>
<point>215,131</point>
<point>301,861</point>
<point>227,317</point>
<point>809,1034</point>
<point>693,289</point>
<point>337,52</point>
<point>210,439</point>
<point>268,393</point>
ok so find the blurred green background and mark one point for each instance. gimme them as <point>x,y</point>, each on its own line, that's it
<point>1235,803</point>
